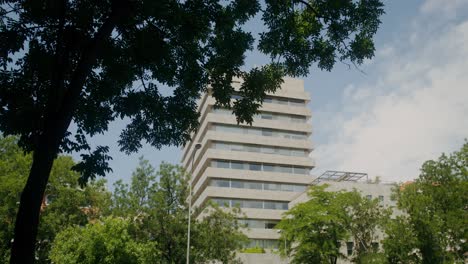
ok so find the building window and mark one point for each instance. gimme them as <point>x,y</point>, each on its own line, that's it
<point>237,165</point>
<point>255,167</point>
<point>381,198</point>
<point>369,197</point>
<point>262,243</point>
<point>257,204</point>
<point>267,132</point>
<point>220,183</point>
<point>260,149</point>
<point>259,167</point>
<point>267,167</point>
<point>260,131</point>
<point>258,224</point>
<point>270,225</point>
<point>257,185</point>
<point>222,164</point>
<point>349,248</point>
<point>253,185</point>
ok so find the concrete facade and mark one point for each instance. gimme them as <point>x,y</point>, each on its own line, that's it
<point>260,168</point>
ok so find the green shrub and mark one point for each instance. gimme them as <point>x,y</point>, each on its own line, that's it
<point>253,250</point>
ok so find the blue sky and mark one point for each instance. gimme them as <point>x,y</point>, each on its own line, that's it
<point>408,107</point>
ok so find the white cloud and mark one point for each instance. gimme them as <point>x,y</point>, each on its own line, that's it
<point>416,109</point>
<point>441,6</point>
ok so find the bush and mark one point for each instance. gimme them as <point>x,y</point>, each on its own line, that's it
<point>258,250</point>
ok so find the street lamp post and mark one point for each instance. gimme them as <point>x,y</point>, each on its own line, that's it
<point>285,250</point>
<point>196,147</point>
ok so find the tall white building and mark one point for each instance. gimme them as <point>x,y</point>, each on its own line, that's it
<point>260,168</point>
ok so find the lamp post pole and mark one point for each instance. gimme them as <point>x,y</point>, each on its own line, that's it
<point>285,250</point>
<point>196,147</point>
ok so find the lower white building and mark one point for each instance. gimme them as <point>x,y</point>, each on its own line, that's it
<point>337,181</point>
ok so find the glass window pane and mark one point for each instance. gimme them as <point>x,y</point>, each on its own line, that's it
<point>220,183</point>
<point>272,186</point>
<point>255,166</point>
<point>299,188</point>
<point>298,153</point>
<point>257,132</point>
<point>237,184</point>
<point>221,202</point>
<point>296,102</point>
<point>269,243</point>
<point>257,224</point>
<point>237,165</point>
<point>268,150</point>
<point>268,167</point>
<point>349,248</point>
<point>270,225</point>
<point>282,101</point>
<point>237,203</point>
<point>253,185</point>
<point>253,204</point>
<point>286,169</point>
<point>299,137</point>
<point>298,119</point>
<point>270,205</point>
<point>236,147</point>
<point>220,145</point>
<point>298,170</point>
<point>253,149</point>
<point>287,187</point>
<point>267,116</point>
<point>267,132</point>
<point>222,164</point>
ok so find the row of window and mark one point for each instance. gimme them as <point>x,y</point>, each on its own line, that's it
<point>267,115</point>
<point>238,165</point>
<point>271,243</point>
<point>278,100</point>
<point>261,224</point>
<point>262,243</point>
<point>257,204</point>
<point>261,149</point>
<point>267,132</point>
<point>257,185</point>
<point>381,197</point>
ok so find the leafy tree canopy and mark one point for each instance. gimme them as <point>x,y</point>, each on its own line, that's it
<point>65,204</point>
<point>92,62</point>
<point>106,242</point>
<point>156,203</point>
<point>96,61</point>
<point>435,207</point>
<point>315,230</point>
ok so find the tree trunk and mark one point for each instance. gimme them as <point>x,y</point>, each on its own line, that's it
<point>56,124</point>
<point>27,219</point>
